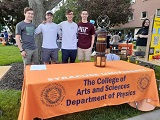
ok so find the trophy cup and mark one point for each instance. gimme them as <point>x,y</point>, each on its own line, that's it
<point>100,58</point>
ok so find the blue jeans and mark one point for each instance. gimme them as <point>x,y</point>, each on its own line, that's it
<point>69,54</point>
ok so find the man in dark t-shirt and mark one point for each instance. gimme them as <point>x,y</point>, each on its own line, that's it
<point>25,38</point>
<point>86,37</point>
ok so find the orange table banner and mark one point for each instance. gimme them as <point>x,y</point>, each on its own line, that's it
<point>68,88</point>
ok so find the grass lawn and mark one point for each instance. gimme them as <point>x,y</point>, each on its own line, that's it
<point>9,104</point>
<point>9,55</point>
<point>10,99</point>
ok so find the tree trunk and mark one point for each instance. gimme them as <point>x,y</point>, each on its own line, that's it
<point>39,13</point>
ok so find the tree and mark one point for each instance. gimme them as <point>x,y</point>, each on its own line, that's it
<point>11,12</point>
<point>59,15</point>
<point>118,11</point>
<point>1,28</point>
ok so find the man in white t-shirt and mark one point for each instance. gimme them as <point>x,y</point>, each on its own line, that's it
<point>49,31</point>
<point>69,38</point>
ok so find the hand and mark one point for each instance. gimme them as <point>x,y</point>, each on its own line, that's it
<point>91,47</point>
<point>60,38</point>
<point>23,53</point>
<point>44,22</point>
<point>141,36</point>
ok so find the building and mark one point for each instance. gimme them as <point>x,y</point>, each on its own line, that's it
<point>142,9</point>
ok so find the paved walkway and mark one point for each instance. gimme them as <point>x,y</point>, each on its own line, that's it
<point>154,115</point>
<point>3,70</point>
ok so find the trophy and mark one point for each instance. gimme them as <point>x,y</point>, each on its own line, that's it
<point>100,58</point>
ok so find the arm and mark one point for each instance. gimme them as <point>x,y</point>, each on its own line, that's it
<point>18,42</point>
<point>111,39</point>
<point>92,42</point>
<point>138,33</point>
<point>59,32</point>
<point>93,36</point>
<point>38,29</point>
<point>142,36</point>
<point>137,36</point>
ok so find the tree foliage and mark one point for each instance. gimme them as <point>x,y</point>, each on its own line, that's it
<point>11,12</point>
<point>117,10</point>
<point>59,15</point>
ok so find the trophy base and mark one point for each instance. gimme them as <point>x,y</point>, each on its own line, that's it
<point>100,60</point>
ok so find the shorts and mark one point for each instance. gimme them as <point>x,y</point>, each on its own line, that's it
<point>31,57</point>
<point>84,54</point>
<point>49,55</point>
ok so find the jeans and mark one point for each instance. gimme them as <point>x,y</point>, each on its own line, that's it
<point>69,54</point>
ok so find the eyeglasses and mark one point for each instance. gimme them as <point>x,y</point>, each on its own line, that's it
<point>84,14</point>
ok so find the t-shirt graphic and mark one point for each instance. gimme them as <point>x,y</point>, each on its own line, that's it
<point>26,31</point>
<point>82,30</point>
<point>85,32</point>
<point>30,31</point>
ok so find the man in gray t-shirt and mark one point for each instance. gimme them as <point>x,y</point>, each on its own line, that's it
<point>26,30</point>
<point>49,31</point>
<point>25,38</point>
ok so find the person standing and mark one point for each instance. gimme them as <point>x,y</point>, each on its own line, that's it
<point>115,39</point>
<point>25,38</point>
<point>142,36</point>
<point>49,31</point>
<point>86,37</point>
<point>69,38</point>
<point>128,38</point>
<point>114,42</point>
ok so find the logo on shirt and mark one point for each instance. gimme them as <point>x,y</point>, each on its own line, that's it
<point>53,95</point>
<point>30,31</point>
<point>143,82</point>
<point>82,29</point>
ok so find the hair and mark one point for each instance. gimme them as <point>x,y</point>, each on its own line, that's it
<point>116,32</point>
<point>68,11</point>
<point>27,9</point>
<point>129,33</point>
<point>145,21</point>
<point>84,10</point>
